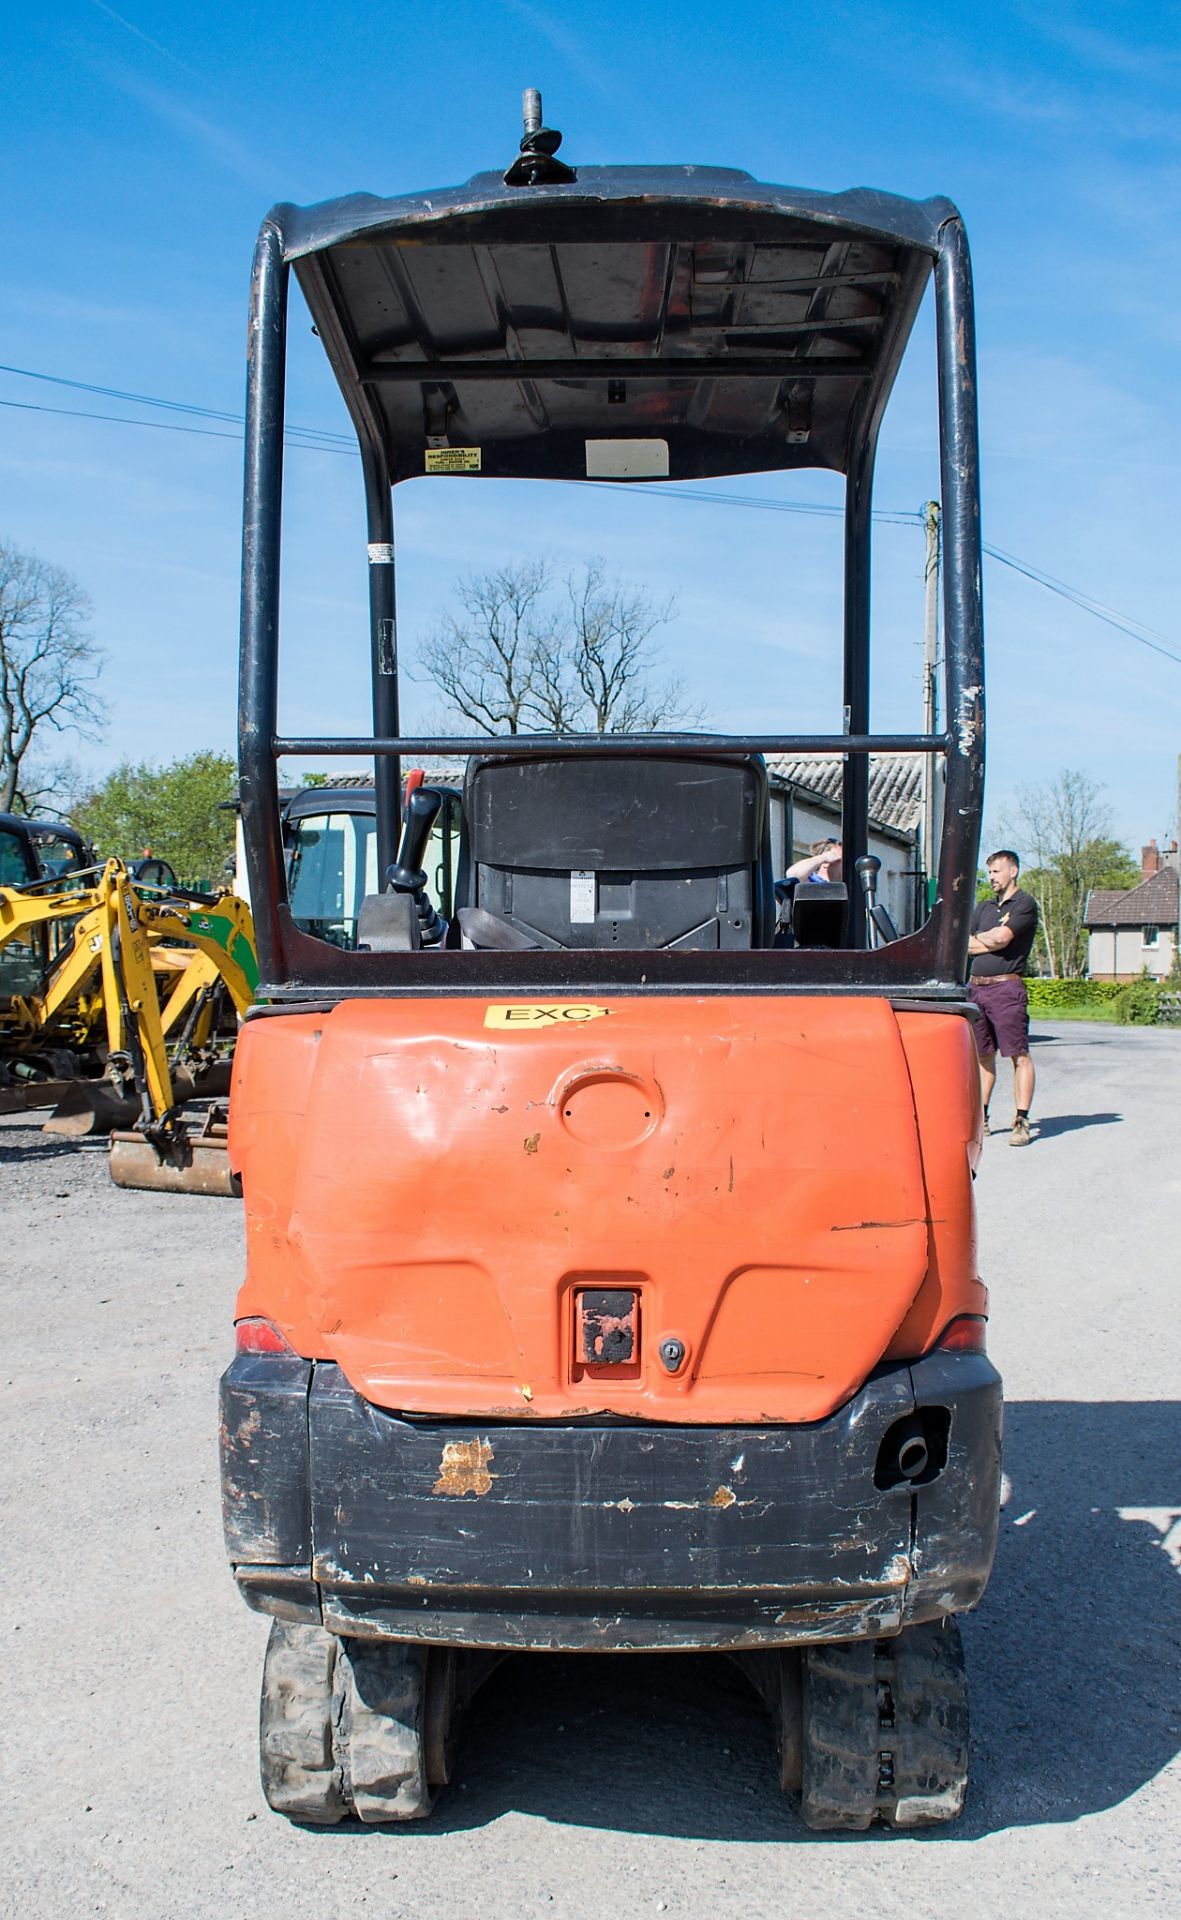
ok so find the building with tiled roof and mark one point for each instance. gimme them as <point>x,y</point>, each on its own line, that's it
<point>806,805</point>
<point>1133,928</point>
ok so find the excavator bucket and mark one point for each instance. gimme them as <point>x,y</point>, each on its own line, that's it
<point>27,1095</point>
<point>90,1107</point>
<point>194,1159</point>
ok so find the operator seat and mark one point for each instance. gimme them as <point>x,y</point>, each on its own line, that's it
<point>605,849</point>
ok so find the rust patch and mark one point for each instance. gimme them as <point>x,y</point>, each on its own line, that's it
<point>532,1142</point>
<point>608,1325</point>
<point>464,1469</point>
<point>724,1497</point>
<point>668,1173</point>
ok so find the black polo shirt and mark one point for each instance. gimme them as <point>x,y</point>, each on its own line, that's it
<point>1018,912</point>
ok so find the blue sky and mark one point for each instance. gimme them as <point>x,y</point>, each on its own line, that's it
<point>143,144</point>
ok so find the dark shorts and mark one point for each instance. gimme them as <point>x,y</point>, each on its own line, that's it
<point>1002,1023</point>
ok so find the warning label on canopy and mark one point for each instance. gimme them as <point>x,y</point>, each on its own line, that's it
<point>453,459</point>
<point>542,1016</point>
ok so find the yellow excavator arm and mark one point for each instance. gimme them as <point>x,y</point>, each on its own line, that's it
<point>125,947</point>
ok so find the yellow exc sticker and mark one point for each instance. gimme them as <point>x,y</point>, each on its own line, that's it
<point>574,1015</point>
<point>453,459</point>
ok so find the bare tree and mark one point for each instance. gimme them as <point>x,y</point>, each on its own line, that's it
<point>483,661</point>
<point>612,655</point>
<point>525,654</point>
<point>1063,832</point>
<point>49,662</point>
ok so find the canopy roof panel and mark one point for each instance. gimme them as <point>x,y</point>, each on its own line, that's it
<point>652,323</point>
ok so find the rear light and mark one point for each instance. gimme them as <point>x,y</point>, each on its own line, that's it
<point>964,1334</point>
<point>259,1336</point>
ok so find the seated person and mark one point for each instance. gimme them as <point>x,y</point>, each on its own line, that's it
<point>821,862</point>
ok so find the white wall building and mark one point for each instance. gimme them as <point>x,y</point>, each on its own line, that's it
<point>1134,928</point>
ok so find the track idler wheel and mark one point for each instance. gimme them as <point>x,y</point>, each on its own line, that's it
<point>353,1726</point>
<point>885,1731</point>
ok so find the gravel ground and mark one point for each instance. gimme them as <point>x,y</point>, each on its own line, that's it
<point>608,1785</point>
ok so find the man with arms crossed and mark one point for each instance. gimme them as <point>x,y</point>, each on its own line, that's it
<point>1003,930</point>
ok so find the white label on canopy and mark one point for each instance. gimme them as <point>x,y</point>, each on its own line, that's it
<point>627,459</point>
<point>381,553</point>
<point>582,899</point>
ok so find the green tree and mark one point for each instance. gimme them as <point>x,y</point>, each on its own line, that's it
<point>177,810</point>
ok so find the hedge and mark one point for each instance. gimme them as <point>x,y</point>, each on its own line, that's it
<point>1133,1003</point>
<point>1138,1003</point>
<point>1049,996</point>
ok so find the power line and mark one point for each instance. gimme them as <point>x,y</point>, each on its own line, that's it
<point>170,426</point>
<point>324,440</point>
<point>1125,624</point>
<point>887,516</point>
<point>172,406</point>
<point>899,517</point>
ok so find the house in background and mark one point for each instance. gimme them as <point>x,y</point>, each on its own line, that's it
<point>1133,928</point>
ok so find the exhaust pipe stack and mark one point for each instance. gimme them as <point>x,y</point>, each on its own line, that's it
<point>913,1457</point>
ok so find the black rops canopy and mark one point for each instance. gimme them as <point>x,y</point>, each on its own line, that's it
<point>639,323</point>
<point>632,323</point>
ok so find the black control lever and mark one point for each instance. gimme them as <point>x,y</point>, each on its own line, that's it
<point>407,874</point>
<point>881,928</point>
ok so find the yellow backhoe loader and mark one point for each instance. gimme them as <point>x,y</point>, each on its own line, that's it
<point>139,989</point>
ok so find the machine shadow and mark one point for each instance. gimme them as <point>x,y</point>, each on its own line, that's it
<point>23,1145</point>
<point>1074,1659</point>
<point>1056,1123</point>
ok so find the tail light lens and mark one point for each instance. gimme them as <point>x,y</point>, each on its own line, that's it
<point>964,1334</point>
<point>259,1336</point>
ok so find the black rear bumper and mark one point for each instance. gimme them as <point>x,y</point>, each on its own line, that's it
<point>597,1535</point>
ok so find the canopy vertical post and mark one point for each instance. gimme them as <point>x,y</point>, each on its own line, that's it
<point>258,689</point>
<point>855,784</point>
<point>963,607</point>
<point>383,641</point>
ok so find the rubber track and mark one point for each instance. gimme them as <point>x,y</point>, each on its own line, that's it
<point>384,1687</point>
<point>885,1733</point>
<point>301,1774</point>
<point>840,1760</point>
<point>930,1694</point>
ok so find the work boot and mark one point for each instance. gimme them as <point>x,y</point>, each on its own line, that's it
<point>1020,1136</point>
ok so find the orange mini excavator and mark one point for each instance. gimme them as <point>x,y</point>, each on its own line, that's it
<point>611,1269</point>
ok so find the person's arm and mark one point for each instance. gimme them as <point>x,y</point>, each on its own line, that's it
<point>990,942</point>
<point>811,863</point>
<point>1021,915</point>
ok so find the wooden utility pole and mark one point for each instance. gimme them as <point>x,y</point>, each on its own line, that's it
<point>930,693</point>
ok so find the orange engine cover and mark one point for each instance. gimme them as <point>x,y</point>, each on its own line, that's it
<point>782,1185</point>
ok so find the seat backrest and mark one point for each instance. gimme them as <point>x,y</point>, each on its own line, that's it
<point>621,850</point>
<point>818,913</point>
